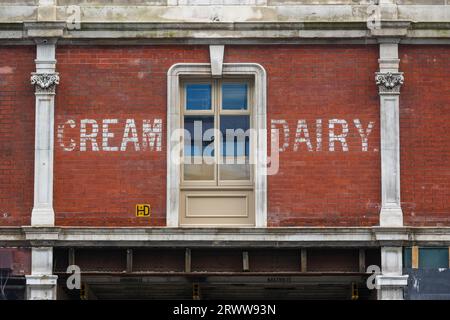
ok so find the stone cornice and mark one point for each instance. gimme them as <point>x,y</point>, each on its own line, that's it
<point>227,237</point>
<point>96,32</point>
<point>44,29</point>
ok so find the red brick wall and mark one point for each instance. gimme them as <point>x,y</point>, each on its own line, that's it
<point>322,82</point>
<point>304,82</point>
<point>424,135</point>
<point>16,134</point>
<point>102,188</point>
<point>320,188</point>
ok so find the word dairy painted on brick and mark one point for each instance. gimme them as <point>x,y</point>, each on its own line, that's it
<point>338,130</point>
<point>89,138</point>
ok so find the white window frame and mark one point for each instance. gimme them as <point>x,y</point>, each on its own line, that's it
<point>260,124</point>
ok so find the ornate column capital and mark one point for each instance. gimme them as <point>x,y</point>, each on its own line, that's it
<point>45,82</point>
<point>389,82</point>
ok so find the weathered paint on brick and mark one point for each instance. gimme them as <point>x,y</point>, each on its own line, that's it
<point>102,188</point>
<point>314,82</point>
<point>327,89</point>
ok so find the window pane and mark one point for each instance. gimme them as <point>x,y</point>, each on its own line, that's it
<point>199,148</point>
<point>235,137</point>
<point>433,258</point>
<point>234,96</point>
<point>235,148</point>
<point>235,171</point>
<point>198,138</point>
<point>198,97</point>
<point>194,172</point>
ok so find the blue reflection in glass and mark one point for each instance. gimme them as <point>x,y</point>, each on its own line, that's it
<point>195,146</point>
<point>234,96</point>
<point>232,143</point>
<point>198,96</point>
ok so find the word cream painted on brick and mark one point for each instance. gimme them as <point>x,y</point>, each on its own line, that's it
<point>117,135</point>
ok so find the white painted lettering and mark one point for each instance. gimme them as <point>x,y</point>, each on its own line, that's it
<point>106,135</point>
<point>130,126</point>
<point>274,123</point>
<point>84,137</point>
<point>302,128</point>
<point>333,137</point>
<point>364,133</point>
<point>60,136</point>
<point>152,135</point>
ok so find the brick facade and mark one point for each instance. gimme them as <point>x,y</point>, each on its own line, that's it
<point>424,137</point>
<point>103,188</point>
<point>131,83</point>
<point>16,135</point>
<point>310,83</point>
<point>331,188</point>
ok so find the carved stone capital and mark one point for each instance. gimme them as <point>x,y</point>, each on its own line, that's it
<point>45,82</point>
<point>389,82</point>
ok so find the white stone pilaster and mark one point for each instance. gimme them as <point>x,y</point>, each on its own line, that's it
<point>41,284</point>
<point>389,81</point>
<point>45,80</point>
<point>391,282</point>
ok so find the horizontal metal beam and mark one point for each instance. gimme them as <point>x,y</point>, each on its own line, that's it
<point>223,278</point>
<point>209,274</point>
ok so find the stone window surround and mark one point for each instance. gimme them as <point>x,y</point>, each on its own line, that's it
<point>173,122</point>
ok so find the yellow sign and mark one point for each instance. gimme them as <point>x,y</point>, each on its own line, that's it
<point>142,210</point>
